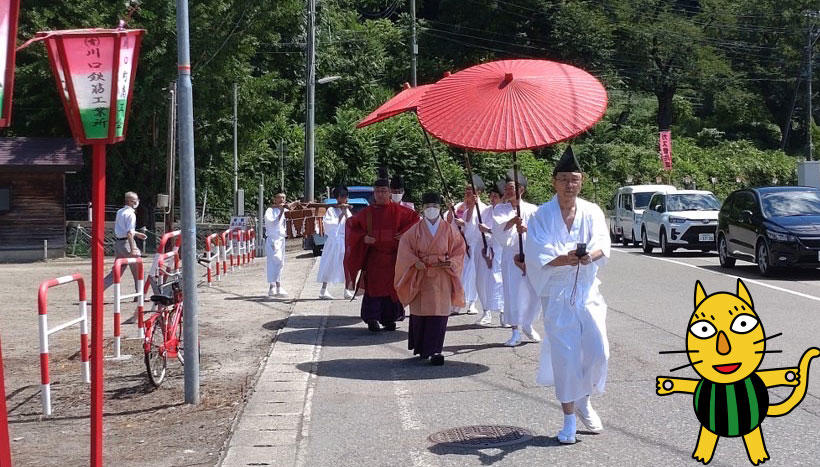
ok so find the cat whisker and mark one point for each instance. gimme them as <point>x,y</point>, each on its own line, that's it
<point>768,337</point>
<point>769,351</point>
<point>684,366</point>
<point>663,352</point>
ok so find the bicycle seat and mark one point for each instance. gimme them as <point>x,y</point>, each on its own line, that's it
<point>162,300</point>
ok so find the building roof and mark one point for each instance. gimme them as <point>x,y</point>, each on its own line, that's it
<point>40,154</point>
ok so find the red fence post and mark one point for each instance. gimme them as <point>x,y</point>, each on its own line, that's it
<point>5,448</point>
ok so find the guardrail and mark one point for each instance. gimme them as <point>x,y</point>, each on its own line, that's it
<point>42,309</point>
<point>119,264</point>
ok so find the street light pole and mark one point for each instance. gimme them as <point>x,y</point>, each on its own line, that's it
<point>235,153</point>
<point>310,84</point>
<point>187,204</point>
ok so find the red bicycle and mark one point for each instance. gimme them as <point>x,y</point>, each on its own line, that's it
<point>163,334</point>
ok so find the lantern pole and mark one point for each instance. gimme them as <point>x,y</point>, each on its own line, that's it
<point>187,192</point>
<point>97,316</point>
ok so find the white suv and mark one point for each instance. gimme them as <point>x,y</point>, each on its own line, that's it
<point>680,219</point>
<point>628,205</point>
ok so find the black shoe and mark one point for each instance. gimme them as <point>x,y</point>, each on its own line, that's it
<point>437,359</point>
<point>373,326</point>
<point>390,326</point>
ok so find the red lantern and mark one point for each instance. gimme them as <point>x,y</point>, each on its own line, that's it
<point>9,10</point>
<point>94,70</point>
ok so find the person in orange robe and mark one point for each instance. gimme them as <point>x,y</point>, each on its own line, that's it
<point>428,278</point>
<point>371,242</point>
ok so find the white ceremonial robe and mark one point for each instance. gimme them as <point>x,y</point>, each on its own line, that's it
<point>473,237</point>
<point>521,304</point>
<point>275,234</point>
<point>331,263</point>
<point>488,280</point>
<point>575,352</point>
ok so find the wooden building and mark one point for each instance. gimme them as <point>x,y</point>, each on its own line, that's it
<point>32,196</point>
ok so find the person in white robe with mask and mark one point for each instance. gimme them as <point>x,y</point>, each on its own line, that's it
<point>331,263</point>
<point>521,304</point>
<point>467,221</point>
<point>488,279</point>
<point>568,241</point>
<point>275,235</point>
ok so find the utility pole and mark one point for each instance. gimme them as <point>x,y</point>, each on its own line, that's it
<point>413,44</point>
<point>188,204</point>
<point>811,38</point>
<point>171,151</point>
<point>235,153</point>
<point>310,84</point>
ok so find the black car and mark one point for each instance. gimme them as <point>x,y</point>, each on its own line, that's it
<point>772,226</point>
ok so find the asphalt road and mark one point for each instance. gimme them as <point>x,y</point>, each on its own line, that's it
<point>372,404</point>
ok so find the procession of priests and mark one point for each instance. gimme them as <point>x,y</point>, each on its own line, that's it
<point>516,260</point>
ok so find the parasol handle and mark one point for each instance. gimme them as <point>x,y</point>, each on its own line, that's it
<point>518,204</point>
<point>447,197</point>
<point>472,185</point>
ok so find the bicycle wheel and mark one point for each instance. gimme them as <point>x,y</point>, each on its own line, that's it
<point>156,361</point>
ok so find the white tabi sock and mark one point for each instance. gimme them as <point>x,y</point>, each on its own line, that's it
<point>567,433</point>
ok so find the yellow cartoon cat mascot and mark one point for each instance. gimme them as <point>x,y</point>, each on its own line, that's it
<point>725,343</point>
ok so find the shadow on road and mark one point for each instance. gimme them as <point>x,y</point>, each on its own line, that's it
<point>483,456</point>
<point>750,271</point>
<point>332,322</point>
<point>388,369</point>
<point>466,349</point>
<point>343,337</point>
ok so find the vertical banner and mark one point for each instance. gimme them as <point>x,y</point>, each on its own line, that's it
<point>666,149</point>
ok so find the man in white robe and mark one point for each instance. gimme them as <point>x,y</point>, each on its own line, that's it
<point>275,235</point>
<point>488,279</point>
<point>467,221</point>
<point>331,263</point>
<point>575,350</point>
<point>521,304</point>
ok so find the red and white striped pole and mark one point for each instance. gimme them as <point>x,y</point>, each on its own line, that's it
<point>5,448</point>
<point>42,311</point>
<point>118,298</point>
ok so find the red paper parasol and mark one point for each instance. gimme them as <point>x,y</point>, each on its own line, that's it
<point>511,105</point>
<point>406,100</point>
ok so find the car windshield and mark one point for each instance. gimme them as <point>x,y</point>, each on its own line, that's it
<point>642,200</point>
<point>692,202</point>
<point>791,203</point>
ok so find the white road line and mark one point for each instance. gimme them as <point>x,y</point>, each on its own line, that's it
<point>410,420</point>
<point>748,281</point>
<point>301,452</point>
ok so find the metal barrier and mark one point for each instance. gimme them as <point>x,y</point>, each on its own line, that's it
<point>227,249</point>
<point>238,235</point>
<point>212,257</point>
<point>174,239</point>
<point>252,244</point>
<point>119,264</point>
<point>42,305</point>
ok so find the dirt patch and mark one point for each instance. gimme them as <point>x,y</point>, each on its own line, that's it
<point>142,425</point>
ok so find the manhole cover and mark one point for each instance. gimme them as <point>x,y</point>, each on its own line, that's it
<point>482,436</point>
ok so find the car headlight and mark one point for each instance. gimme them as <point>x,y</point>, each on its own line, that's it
<point>780,236</point>
<point>677,220</point>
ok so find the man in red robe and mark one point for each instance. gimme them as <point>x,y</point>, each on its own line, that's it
<point>371,245</point>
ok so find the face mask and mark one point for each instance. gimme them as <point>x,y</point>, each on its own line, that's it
<point>431,213</point>
<point>396,197</point>
<point>136,204</point>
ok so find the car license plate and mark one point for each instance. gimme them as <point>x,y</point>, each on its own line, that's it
<point>706,237</point>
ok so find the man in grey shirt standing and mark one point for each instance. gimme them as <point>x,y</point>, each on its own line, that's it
<point>125,234</point>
